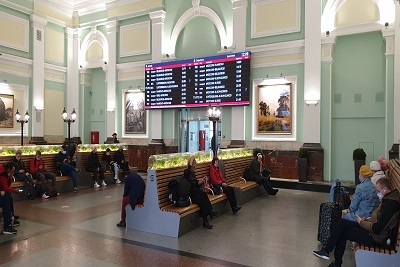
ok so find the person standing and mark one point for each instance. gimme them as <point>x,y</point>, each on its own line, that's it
<point>21,175</point>
<point>94,166</point>
<point>133,194</point>
<point>217,179</point>
<point>39,171</point>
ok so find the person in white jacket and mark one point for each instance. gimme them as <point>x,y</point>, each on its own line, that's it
<point>378,173</point>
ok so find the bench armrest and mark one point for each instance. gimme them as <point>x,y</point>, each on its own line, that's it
<point>212,192</point>
<point>244,180</point>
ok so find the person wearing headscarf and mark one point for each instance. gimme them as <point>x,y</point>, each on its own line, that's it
<point>378,173</point>
<point>260,175</point>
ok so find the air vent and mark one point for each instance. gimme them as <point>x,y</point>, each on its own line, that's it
<point>39,35</point>
<point>379,97</point>
<point>338,98</point>
<point>357,98</point>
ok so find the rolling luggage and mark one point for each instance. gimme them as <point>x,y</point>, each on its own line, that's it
<point>329,215</point>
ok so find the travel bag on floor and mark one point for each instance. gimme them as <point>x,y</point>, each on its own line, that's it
<point>329,215</point>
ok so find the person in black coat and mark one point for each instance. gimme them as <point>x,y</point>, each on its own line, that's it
<point>197,196</point>
<point>119,158</point>
<point>94,166</point>
<point>260,175</point>
<point>133,194</point>
<point>21,175</point>
<point>64,165</point>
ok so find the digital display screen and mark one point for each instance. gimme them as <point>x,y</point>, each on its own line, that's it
<point>222,80</point>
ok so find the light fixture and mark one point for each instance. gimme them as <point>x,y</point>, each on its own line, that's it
<point>39,108</point>
<point>311,102</point>
<point>167,55</point>
<point>214,114</point>
<point>69,121</point>
<point>105,62</point>
<point>80,66</point>
<point>386,25</point>
<point>22,122</point>
<point>327,33</point>
<point>110,110</point>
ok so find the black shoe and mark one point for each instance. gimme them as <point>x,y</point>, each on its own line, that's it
<point>10,231</point>
<point>322,254</point>
<point>16,218</point>
<point>273,192</point>
<point>213,213</point>
<point>236,209</point>
<point>15,223</point>
<point>75,189</point>
<point>121,224</point>
<point>333,264</point>
<point>30,196</point>
<point>206,224</point>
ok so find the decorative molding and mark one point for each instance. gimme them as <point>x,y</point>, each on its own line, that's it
<point>112,26</point>
<point>355,29</point>
<point>275,64</point>
<point>15,6</point>
<point>17,62</point>
<point>277,49</point>
<point>239,3</point>
<point>133,65</point>
<point>94,35</point>
<point>126,28</point>
<point>256,3</point>
<point>25,23</point>
<point>38,23</point>
<point>388,35</point>
<point>201,11</point>
<point>157,17</point>
<point>85,77</point>
<point>328,45</point>
<point>55,68</point>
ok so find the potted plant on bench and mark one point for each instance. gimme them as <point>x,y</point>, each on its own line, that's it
<point>359,157</point>
<point>302,164</point>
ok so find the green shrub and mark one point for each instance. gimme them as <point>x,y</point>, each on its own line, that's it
<point>303,153</point>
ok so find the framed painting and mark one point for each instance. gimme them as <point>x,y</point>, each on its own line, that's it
<point>6,111</point>
<point>274,109</point>
<point>135,114</point>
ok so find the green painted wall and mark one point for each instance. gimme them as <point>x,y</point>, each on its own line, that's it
<point>275,38</point>
<point>98,103</point>
<point>199,38</point>
<point>226,123</point>
<point>169,124</point>
<point>93,17</point>
<point>358,119</point>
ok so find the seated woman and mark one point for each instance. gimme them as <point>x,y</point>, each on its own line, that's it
<point>260,175</point>
<point>365,199</point>
<point>217,179</point>
<point>199,197</point>
<point>377,171</point>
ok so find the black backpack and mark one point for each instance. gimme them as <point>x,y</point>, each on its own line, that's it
<point>179,191</point>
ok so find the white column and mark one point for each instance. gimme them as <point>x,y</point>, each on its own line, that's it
<point>312,71</point>
<point>238,129</point>
<point>111,121</point>
<point>73,39</point>
<point>397,77</point>
<point>37,122</point>
<point>157,34</point>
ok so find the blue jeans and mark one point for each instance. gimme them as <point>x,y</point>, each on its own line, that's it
<point>69,170</point>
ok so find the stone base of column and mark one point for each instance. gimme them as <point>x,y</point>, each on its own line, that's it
<point>394,152</point>
<point>315,164</point>
<point>237,144</point>
<point>157,142</point>
<point>38,141</point>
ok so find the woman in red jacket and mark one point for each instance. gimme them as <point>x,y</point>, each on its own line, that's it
<point>217,179</point>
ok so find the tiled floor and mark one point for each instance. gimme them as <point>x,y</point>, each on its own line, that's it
<point>79,230</point>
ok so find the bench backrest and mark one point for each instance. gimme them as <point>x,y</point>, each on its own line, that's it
<point>233,171</point>
<point>47,158</point>
<point>394,178</point>
<point>84,157</point>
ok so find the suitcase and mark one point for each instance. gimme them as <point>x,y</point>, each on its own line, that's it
<point>329,215</point>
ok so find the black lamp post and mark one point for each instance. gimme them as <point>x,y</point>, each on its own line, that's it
<point>23,121</point>
<point>69,121</point>
<point>214,115</point>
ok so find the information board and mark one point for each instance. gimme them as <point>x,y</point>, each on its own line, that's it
<point>222,80</point>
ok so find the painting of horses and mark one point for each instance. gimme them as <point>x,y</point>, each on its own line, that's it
<point>6,111</point>
<point>274,109</point>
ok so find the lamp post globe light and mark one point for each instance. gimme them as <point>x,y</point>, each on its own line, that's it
<point>22,121</point>
<point>214,114</point>
<point>69,121</point>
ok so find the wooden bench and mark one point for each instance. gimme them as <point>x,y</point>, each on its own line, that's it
<point>160,216</point>
<point>379,255</point>
<point>82,161</point>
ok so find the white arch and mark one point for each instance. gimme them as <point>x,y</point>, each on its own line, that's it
<point>94,35</point>
<point>386,11</point>
<point>198,11</point>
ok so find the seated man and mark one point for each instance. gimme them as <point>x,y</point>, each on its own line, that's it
<point>116,141</point>
<point>39,171</point>
<point>111,165</point>
<point>257,173</point>
<point>365,200</point>
<point>119,158</point>
<point>21,175</point>
<point>94,166</point>
<point>63,164</point>
<point>6,178</point>
<point>365,231</point>
<point>133,194</point>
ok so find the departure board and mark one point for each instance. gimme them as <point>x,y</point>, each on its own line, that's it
<point>222,80</point>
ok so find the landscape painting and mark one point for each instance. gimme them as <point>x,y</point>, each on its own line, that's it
<point>6,111</point>
<point>274,109</point>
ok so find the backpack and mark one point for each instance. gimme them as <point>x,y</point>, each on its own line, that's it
<point>179,191</point>
<point>246,174</point>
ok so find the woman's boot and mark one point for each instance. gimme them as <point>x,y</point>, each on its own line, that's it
<point>206,223</point>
